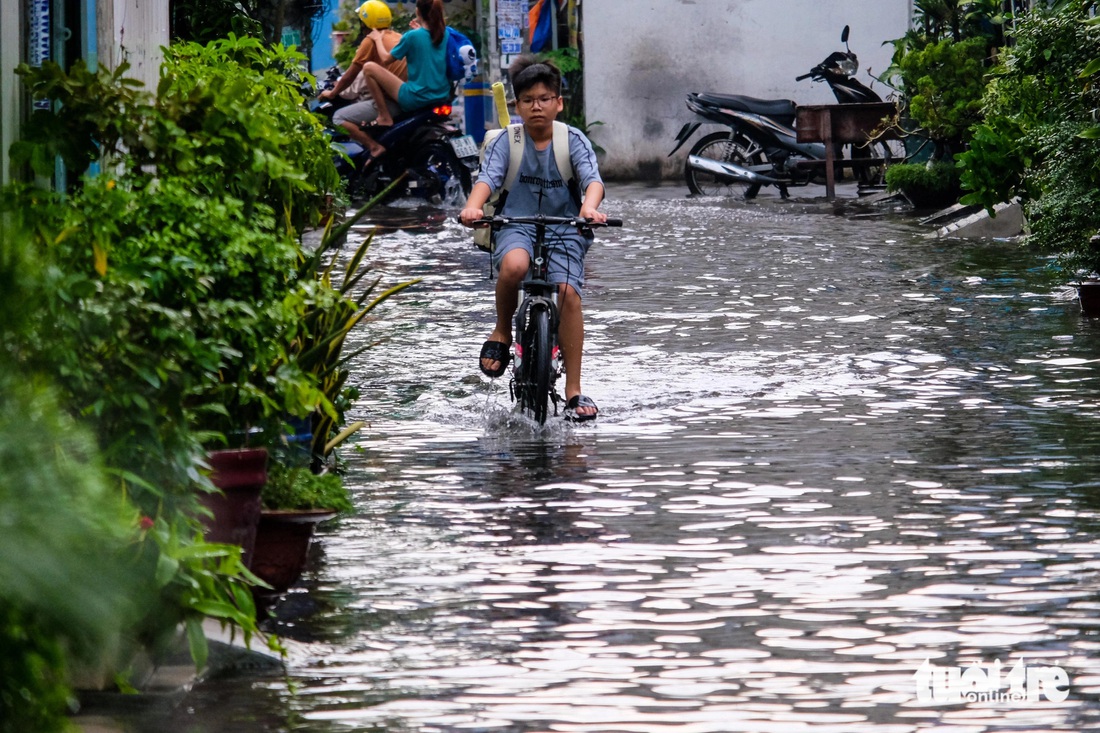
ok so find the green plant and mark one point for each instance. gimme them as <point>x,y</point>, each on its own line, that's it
<point>167,317</point>
<point>1039,114</point>
<point>206,20</point>
<point>127,348</point>
<point>298,487</point>
<point>944,84</point>
<point>192,580</point>
<point>992,169</point>
<point>66,592</point>
<point>939,67</point>
<point>165,301</point>
<point>329,312</point>
<point>171,301</point>
<point>933,184</point>
<point>228,115</point>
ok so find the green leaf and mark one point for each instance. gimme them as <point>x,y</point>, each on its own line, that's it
<point>167,567</point>
<point>1091,68</point>
<point>216,609</point>
<point>196,640</point>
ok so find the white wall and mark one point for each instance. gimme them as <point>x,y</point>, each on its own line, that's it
<point>643,56</point>
<point>11,95</point>
<point>133,31</point>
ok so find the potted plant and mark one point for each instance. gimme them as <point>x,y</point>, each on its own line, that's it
<point>330,308</point>
<point>166,307</point>
<point>295,501</point>
<point>934,184</point>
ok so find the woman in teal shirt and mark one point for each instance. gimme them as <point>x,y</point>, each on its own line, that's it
<point>425,49</point>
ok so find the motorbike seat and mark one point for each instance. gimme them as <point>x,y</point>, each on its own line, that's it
<point>781,110</point>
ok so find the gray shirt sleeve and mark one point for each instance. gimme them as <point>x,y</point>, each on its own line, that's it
<point>495,166</point>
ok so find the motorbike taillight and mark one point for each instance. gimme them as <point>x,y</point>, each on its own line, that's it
<point>443,110</point>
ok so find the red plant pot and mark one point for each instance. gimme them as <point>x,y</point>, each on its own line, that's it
<point>282,544</point>
<point>241,475</point>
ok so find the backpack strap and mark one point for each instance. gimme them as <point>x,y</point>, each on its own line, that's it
<point>517,140</point>
<point>516,144</point>
<point>564,160</point>
<point>561,151</point>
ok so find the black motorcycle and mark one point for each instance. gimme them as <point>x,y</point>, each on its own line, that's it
<point>761,146</point>
<point>435,157</point>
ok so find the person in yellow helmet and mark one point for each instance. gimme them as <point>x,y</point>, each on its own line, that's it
<point>358,115</point>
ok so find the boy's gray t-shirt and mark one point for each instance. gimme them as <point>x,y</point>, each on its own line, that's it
<point>538,173</point>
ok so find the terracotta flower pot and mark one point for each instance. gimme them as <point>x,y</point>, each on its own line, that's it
<point>241,475</point>
<point>282,544</point>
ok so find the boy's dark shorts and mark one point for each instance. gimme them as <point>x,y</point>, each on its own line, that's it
<point>566,246</point>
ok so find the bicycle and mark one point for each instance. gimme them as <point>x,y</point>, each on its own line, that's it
<point>536,360</point>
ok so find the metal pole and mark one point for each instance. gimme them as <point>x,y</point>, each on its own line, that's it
<point>553,24</point>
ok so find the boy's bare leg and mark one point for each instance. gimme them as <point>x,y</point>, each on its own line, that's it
<point>571,338</point>
<point>513,268</point>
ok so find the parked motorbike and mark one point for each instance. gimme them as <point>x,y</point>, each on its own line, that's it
<point>437,157</point>
<point>761,147</point>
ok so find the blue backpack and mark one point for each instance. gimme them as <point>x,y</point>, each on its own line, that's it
<point>461,56</point>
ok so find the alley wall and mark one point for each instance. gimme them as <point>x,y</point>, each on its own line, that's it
<point>643,56</point>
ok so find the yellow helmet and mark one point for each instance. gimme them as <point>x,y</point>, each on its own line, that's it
<point>375,14</point>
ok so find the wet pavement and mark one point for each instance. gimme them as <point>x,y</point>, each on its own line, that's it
<point>844,479</point>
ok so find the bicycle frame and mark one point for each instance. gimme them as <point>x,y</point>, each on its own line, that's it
<point>537,294</point>
<point>536,362</point>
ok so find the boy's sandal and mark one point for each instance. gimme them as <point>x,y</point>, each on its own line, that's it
<point>580,401</point>
<point>494,351</point>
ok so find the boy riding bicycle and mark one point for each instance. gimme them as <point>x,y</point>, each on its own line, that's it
<point>540,189</point>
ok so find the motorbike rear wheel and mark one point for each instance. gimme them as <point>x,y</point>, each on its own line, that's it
<point>445,176</point>
<point>728,148</point>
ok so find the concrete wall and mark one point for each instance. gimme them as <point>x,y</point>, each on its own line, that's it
<point>133,31</point>
<point>643,56</point>
<point>11,95</point>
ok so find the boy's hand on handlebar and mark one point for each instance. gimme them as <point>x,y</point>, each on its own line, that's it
<point>469,216</point>
<point>592,214</point>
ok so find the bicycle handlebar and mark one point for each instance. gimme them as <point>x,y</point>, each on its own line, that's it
<point>579,222</point>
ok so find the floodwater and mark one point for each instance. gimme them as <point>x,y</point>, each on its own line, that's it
<point>846,479</point>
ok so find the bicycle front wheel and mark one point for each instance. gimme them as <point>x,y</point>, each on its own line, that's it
<point>535,395</point>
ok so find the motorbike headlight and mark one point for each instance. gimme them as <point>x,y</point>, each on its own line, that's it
<point>848,66</point>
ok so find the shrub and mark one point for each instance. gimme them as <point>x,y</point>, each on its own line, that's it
<point>300,488</point>
<point>229,116</point>
<point>933,184</point>
<point>1038,111</point>
<point>165,315</point>
<point>61,525</point>
<point>939,65</point>
<point>944,83</point>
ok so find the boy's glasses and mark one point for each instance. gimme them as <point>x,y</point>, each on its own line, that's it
<point>537,101</point>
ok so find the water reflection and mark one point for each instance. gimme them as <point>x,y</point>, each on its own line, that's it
<point>830,450</point>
